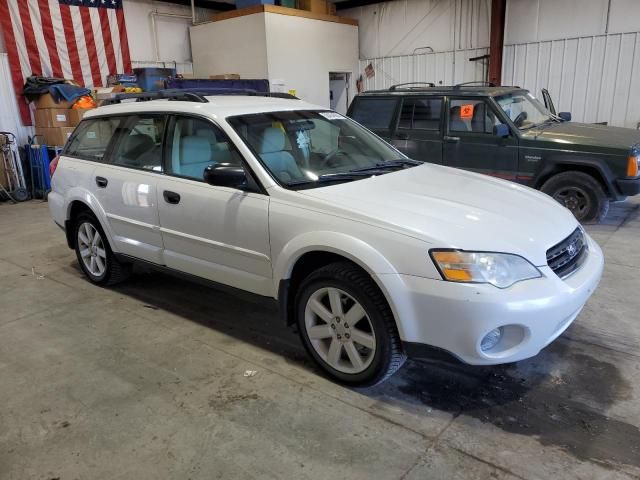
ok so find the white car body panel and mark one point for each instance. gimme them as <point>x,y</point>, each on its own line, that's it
<point>386,224</point>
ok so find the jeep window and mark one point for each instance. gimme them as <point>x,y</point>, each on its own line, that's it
<point>92,138</point>
<point>140,145</point>
<point>473,116</point>
<point>524,110</point>
<point>324,145</point>
<point>420,113</point>
<point>374,113</point>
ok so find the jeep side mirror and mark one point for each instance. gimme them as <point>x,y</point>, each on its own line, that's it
<point>501,130</point>
<point>565,116</point>
<point>225,175</point>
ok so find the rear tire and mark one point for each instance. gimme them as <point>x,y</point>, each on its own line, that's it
<point>94,254</point>
<point>354,338</point>
<point>582,194</point>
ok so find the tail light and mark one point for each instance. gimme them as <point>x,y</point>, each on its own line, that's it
<point>53,165</point>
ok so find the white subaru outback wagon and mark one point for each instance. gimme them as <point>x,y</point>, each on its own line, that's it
<point>373,256</point>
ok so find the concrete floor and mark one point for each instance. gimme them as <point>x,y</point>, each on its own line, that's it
<point>147,380</point>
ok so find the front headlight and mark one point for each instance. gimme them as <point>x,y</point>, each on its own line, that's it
<point>499,269</point>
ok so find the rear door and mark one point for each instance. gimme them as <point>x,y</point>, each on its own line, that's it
<point>470,143</point>
<point>377,113</point>
<point>419,130</point>
<point>125,186</point>
<point>219,233</point>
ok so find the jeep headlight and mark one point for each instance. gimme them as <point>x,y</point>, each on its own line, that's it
<point>499,269</point>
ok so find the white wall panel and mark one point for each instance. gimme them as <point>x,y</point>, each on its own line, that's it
<point>438,68</point>
<point>9,115</point>
<point>593,77</point>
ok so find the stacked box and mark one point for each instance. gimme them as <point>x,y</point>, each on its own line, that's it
<point>55,122</point>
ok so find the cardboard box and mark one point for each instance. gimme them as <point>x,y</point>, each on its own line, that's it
<point>52,117</point>
<point>225,76</point>
<point>54,136</point>
<point>47,101</point>
<point>315,6</point>
<point>108,92</point>
<point>76,114</point>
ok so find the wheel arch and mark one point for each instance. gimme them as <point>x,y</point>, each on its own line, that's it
<point>308,252</point>
<point>77,202</point>
<point>591,167</point>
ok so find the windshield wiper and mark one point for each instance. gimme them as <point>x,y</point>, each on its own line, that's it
<point>390,165</point>
<point>333,177</point>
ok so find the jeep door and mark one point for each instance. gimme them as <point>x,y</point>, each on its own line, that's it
<point>125,184</point>
<point>419,129</point>
<point>470,142</point>
<point>219,233</point>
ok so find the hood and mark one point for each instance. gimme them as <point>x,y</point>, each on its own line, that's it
<point>451,208</point>
<point>586,134</point>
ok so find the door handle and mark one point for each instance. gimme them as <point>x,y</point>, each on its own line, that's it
<point>449,139</point>
<point>171,197</point>
<point>101,182</point>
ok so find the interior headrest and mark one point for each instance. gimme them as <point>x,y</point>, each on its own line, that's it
<point>272,140</point>
<point>194,149</point>
<point>455,112</point>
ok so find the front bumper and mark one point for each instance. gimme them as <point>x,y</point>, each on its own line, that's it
<point>455,316</point>
<point>629,186</point>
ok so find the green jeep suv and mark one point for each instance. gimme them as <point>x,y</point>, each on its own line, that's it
<point>506,132</point>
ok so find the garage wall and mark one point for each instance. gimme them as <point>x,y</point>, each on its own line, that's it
<point>590,64</point>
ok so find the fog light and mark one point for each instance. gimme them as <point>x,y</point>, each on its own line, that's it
<point>491,339</point>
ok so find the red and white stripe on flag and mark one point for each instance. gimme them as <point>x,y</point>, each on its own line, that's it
<point>83,40</point>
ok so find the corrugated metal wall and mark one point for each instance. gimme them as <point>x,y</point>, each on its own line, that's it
<point>438,68</point>
<point>596,78</point>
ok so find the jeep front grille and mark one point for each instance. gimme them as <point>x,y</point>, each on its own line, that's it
<point>567,256</point>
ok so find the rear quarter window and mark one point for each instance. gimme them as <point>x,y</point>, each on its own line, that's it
<point>92,137</point>
<point>374,113</point>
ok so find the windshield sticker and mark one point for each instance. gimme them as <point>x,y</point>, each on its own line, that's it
<point>331,115</point>
<point>466,112</point>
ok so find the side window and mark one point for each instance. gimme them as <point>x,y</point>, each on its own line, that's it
<point>420,113</point>
<point>140,143</point>
<point>374,113</point>
<point>194,144</point>
<point>92,138</point>
<point>473,116</point>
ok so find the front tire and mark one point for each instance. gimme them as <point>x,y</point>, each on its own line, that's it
<point>347,327</point>
<point>580,193</point>
<point>94,253</point>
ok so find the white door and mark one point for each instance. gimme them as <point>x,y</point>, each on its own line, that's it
<point>218,233</point>
<point>125,186</point>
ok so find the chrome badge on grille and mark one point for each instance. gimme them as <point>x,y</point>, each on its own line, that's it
<point>571,250</point>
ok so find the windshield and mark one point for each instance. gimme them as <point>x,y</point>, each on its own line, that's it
<point>307,148</point>
<point>524,110</point>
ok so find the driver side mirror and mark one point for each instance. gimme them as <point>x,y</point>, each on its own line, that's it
<point>225,175</point>
<point>565,116</point>
<point>501,130</point>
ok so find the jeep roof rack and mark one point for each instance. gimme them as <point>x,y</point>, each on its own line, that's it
<point>394,87</point>
<point>191,95</point>
<point>480,83</point>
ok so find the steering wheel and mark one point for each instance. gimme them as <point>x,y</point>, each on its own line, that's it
<point>325,162</point>
<point>519,120</point>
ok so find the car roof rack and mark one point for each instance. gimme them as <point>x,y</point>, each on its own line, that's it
<point>480,83</point>
<point>197,95</point>
<point>395,87</point>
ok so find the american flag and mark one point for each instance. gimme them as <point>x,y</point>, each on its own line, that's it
<point>83,40</point>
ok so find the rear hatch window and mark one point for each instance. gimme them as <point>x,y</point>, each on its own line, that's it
<point>374,113</point>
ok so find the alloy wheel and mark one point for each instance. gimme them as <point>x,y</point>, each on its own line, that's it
<point>92,251</point>
<point>575,199</point>
<point>340,330</point>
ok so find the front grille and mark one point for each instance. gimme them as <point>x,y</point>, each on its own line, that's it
<point>567,256</point>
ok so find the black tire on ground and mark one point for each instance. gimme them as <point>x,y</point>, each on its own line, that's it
<point>115,272</point>
<point>580,193</point>
<point>388,355</point>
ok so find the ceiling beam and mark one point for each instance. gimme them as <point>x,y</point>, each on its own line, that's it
<point>355,3</point>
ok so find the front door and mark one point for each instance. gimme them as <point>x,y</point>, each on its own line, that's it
<point>470,142</point>
<point>419,131</point>
<point>219,233</point>
<point>125,184</point>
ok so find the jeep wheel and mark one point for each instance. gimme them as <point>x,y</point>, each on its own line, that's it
<point>94,253</point>
<point>580,193</point>
<point>347,326</point>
